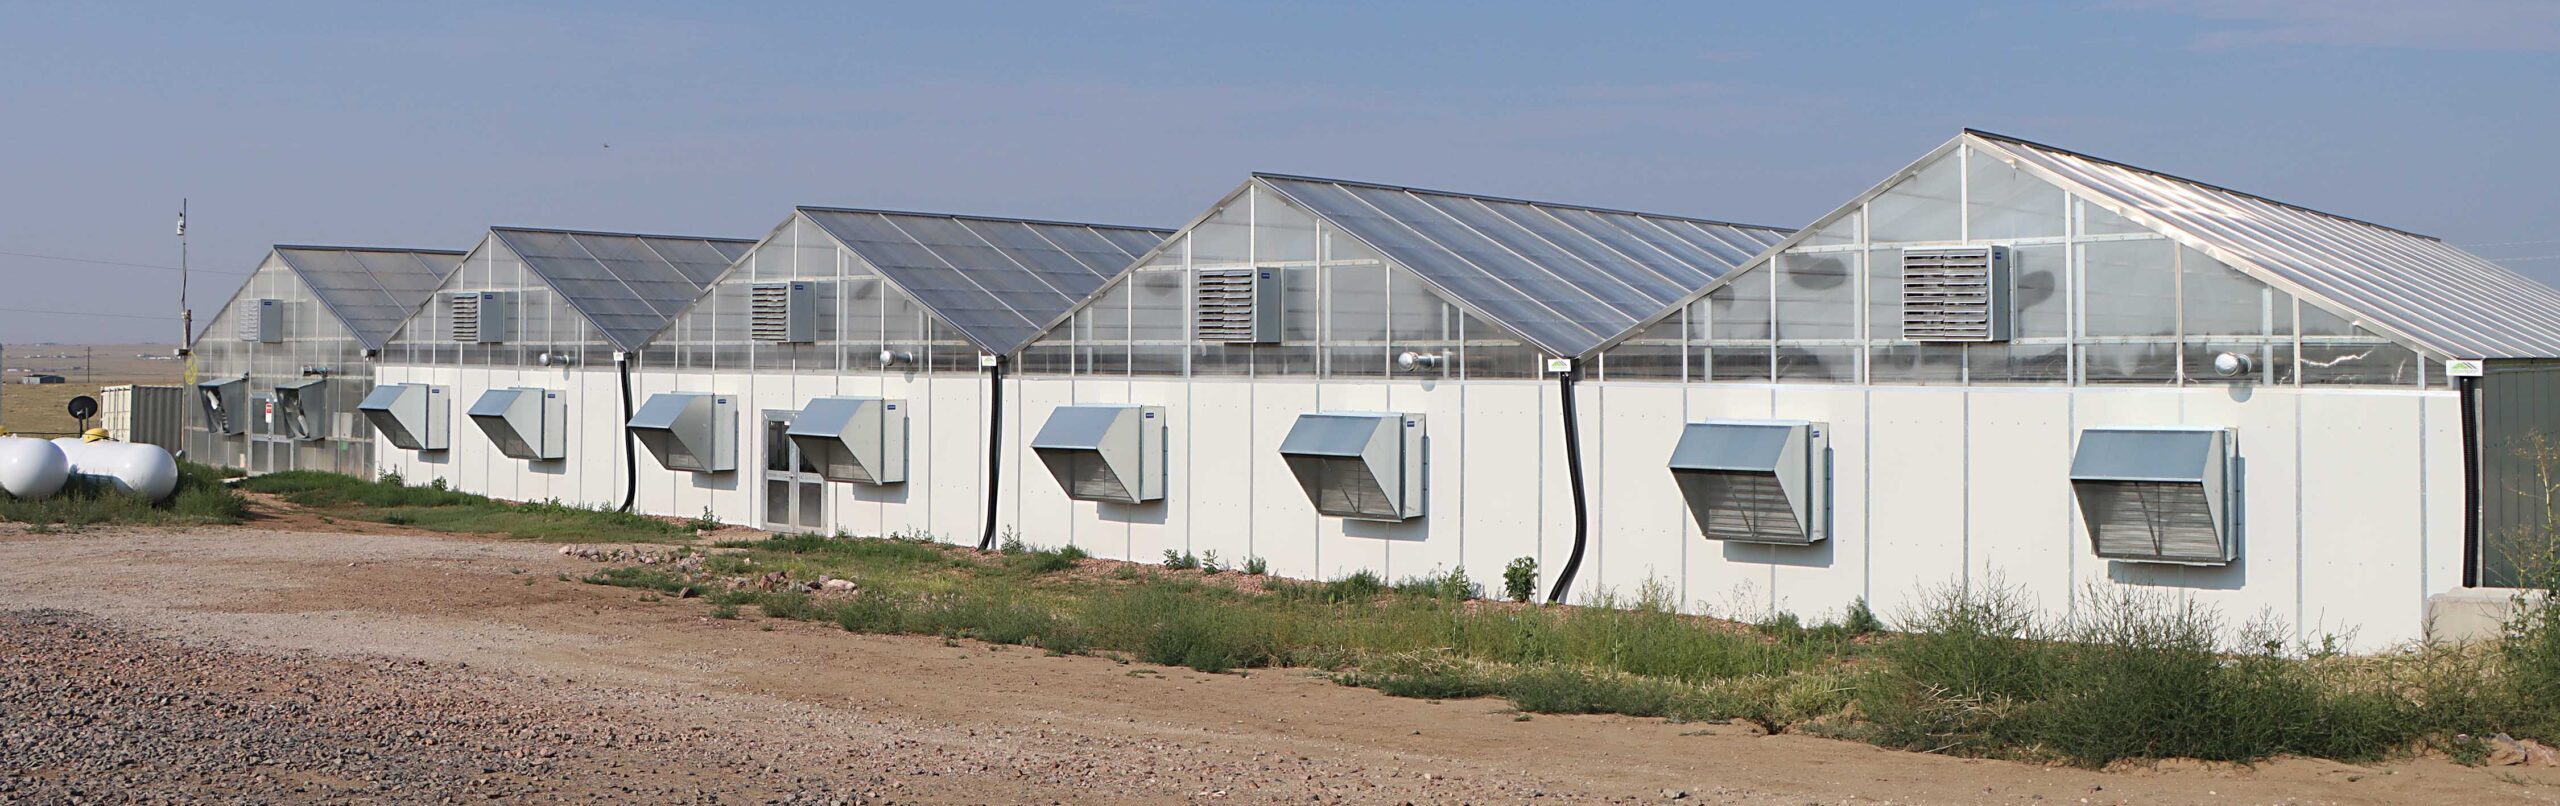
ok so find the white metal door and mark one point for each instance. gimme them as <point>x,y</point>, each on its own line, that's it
<point>794,494</point>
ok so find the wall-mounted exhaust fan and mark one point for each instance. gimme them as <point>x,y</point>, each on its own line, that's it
<point>1756,481</point>
<point>783,312</point>
<point>1237,306</point>
<point>692,431</point>
<point>261,320</point>
<point>524,423</point>
<point>483,317</point>
<point>1956,294</point>
<point>1357,464</point>
<point>858,439</point>
<point>412,416</point>
<point>2160,495</point>
<point>1110,453</point>
<point>225,404</point>
<point>302,409</point>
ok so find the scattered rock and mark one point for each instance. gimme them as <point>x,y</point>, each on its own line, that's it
<point>1675,794</point>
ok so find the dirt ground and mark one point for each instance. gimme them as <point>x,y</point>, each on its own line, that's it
<point>256,664</point>
<point>38,409</point>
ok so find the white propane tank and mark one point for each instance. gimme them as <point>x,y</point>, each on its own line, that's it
<point>143,471</point>
<point>32,469</point>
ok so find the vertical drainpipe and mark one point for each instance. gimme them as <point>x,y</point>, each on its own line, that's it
<point>1573,472</point>
<point>630,453</point>
<point>995,445</point>
<point>2470,390</point>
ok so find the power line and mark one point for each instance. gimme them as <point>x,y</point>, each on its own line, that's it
<point>110,262</point>
<point>86,313</point>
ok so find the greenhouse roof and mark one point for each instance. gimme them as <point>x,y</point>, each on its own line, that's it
<point>2413,287</point>
<point>1566,278</point>
<point>370,290</point>
<point>627,285</point>
<point>996,280</point>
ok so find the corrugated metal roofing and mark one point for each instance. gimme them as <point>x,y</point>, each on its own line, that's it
<point>996,280</point>
<point>1566,278</point>
<point>2410,286</point>
<point>628,286</point>
<point>370,290</point>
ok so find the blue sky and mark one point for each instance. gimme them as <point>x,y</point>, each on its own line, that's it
<point>421,124</point>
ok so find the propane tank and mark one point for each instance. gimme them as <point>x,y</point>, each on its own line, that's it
<point>142,471</point>
<point>32,469</point>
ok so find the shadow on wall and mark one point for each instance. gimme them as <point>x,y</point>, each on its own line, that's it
<point>1411,531</point>
<point>1152,512</point>
<point>1817,555</point>
<point>879,493</point>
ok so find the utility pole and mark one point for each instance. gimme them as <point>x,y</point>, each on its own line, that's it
<point>186,315</point>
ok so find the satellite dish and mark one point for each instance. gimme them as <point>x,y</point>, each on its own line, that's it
<point>83,407</point>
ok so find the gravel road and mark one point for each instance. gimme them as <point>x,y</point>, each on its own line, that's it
<point>248,665</point>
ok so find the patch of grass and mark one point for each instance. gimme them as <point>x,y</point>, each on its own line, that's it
<point>201,498</point>
<point>1975,673</point>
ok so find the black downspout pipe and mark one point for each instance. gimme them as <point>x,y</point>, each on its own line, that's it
<point>2470,480</point>
<point>1573,471</point>
<point>630,454</point>
<point>995,447</point>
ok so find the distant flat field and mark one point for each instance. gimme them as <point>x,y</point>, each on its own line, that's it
<point>39,409</point>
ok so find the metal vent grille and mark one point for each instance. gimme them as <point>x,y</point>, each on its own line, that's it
<point>1750,507</point>
<point>466,317</point>
<point>2151,519</point>
<point>260,320</point>
<point>1236,306</point>
<point>1955,294</point>
<point>782,313</point>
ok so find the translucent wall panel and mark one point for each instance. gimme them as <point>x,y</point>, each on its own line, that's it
<point>2003,202</point>
<point>1923,207</point>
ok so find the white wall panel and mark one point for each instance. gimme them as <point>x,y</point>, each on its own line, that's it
<point>1221,470</point>
<point>2017,472</point>
<point>1819,581</point>
<point>1502,440</point>
<point>1284,522</point>
<point>1638,513</point>
<point>2361,520</point>
<point>1918,498</point>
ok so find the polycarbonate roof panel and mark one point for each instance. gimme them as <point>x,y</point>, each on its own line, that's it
<point>2410,286</point>
<point>628,286</point>
<point>995,280</point>
<point>371,291</point>
<point>1565,278</point>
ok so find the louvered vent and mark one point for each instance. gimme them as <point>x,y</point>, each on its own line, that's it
<point>466,317</point>
<point>2158,494</point>
<point>1237,306</point>
<point>261,320</point>
<point>1955,294</point>
<point>483,317</point>
<point>784,313</point>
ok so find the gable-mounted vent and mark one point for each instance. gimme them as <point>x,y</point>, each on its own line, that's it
<point>784,312</point>
<point>689,431</point>
<point>1756,481</point>
<point>1237,306</point>
<point>524,423</point>
<point>261,320</point>
<point>2157,494</point>
<point>1955,294</point>
<point>483,317</point>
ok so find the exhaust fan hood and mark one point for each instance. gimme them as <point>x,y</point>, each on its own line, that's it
<point>302,409</point>
<point>695,431</point>
<point>2157,494</point>
<point>857,439</point>
<point>1363,465</point>
<point>1105,453</point>
<point>1756,481</point>
<point>524,423</point>
<point>411,415</point>
<point>225,404</point>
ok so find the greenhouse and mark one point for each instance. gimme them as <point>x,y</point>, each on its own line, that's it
<point>847,345</point>
<point>278,371</point>
<point>1337,377</point>
<point>507,379</point>
<point>2014,363</point>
